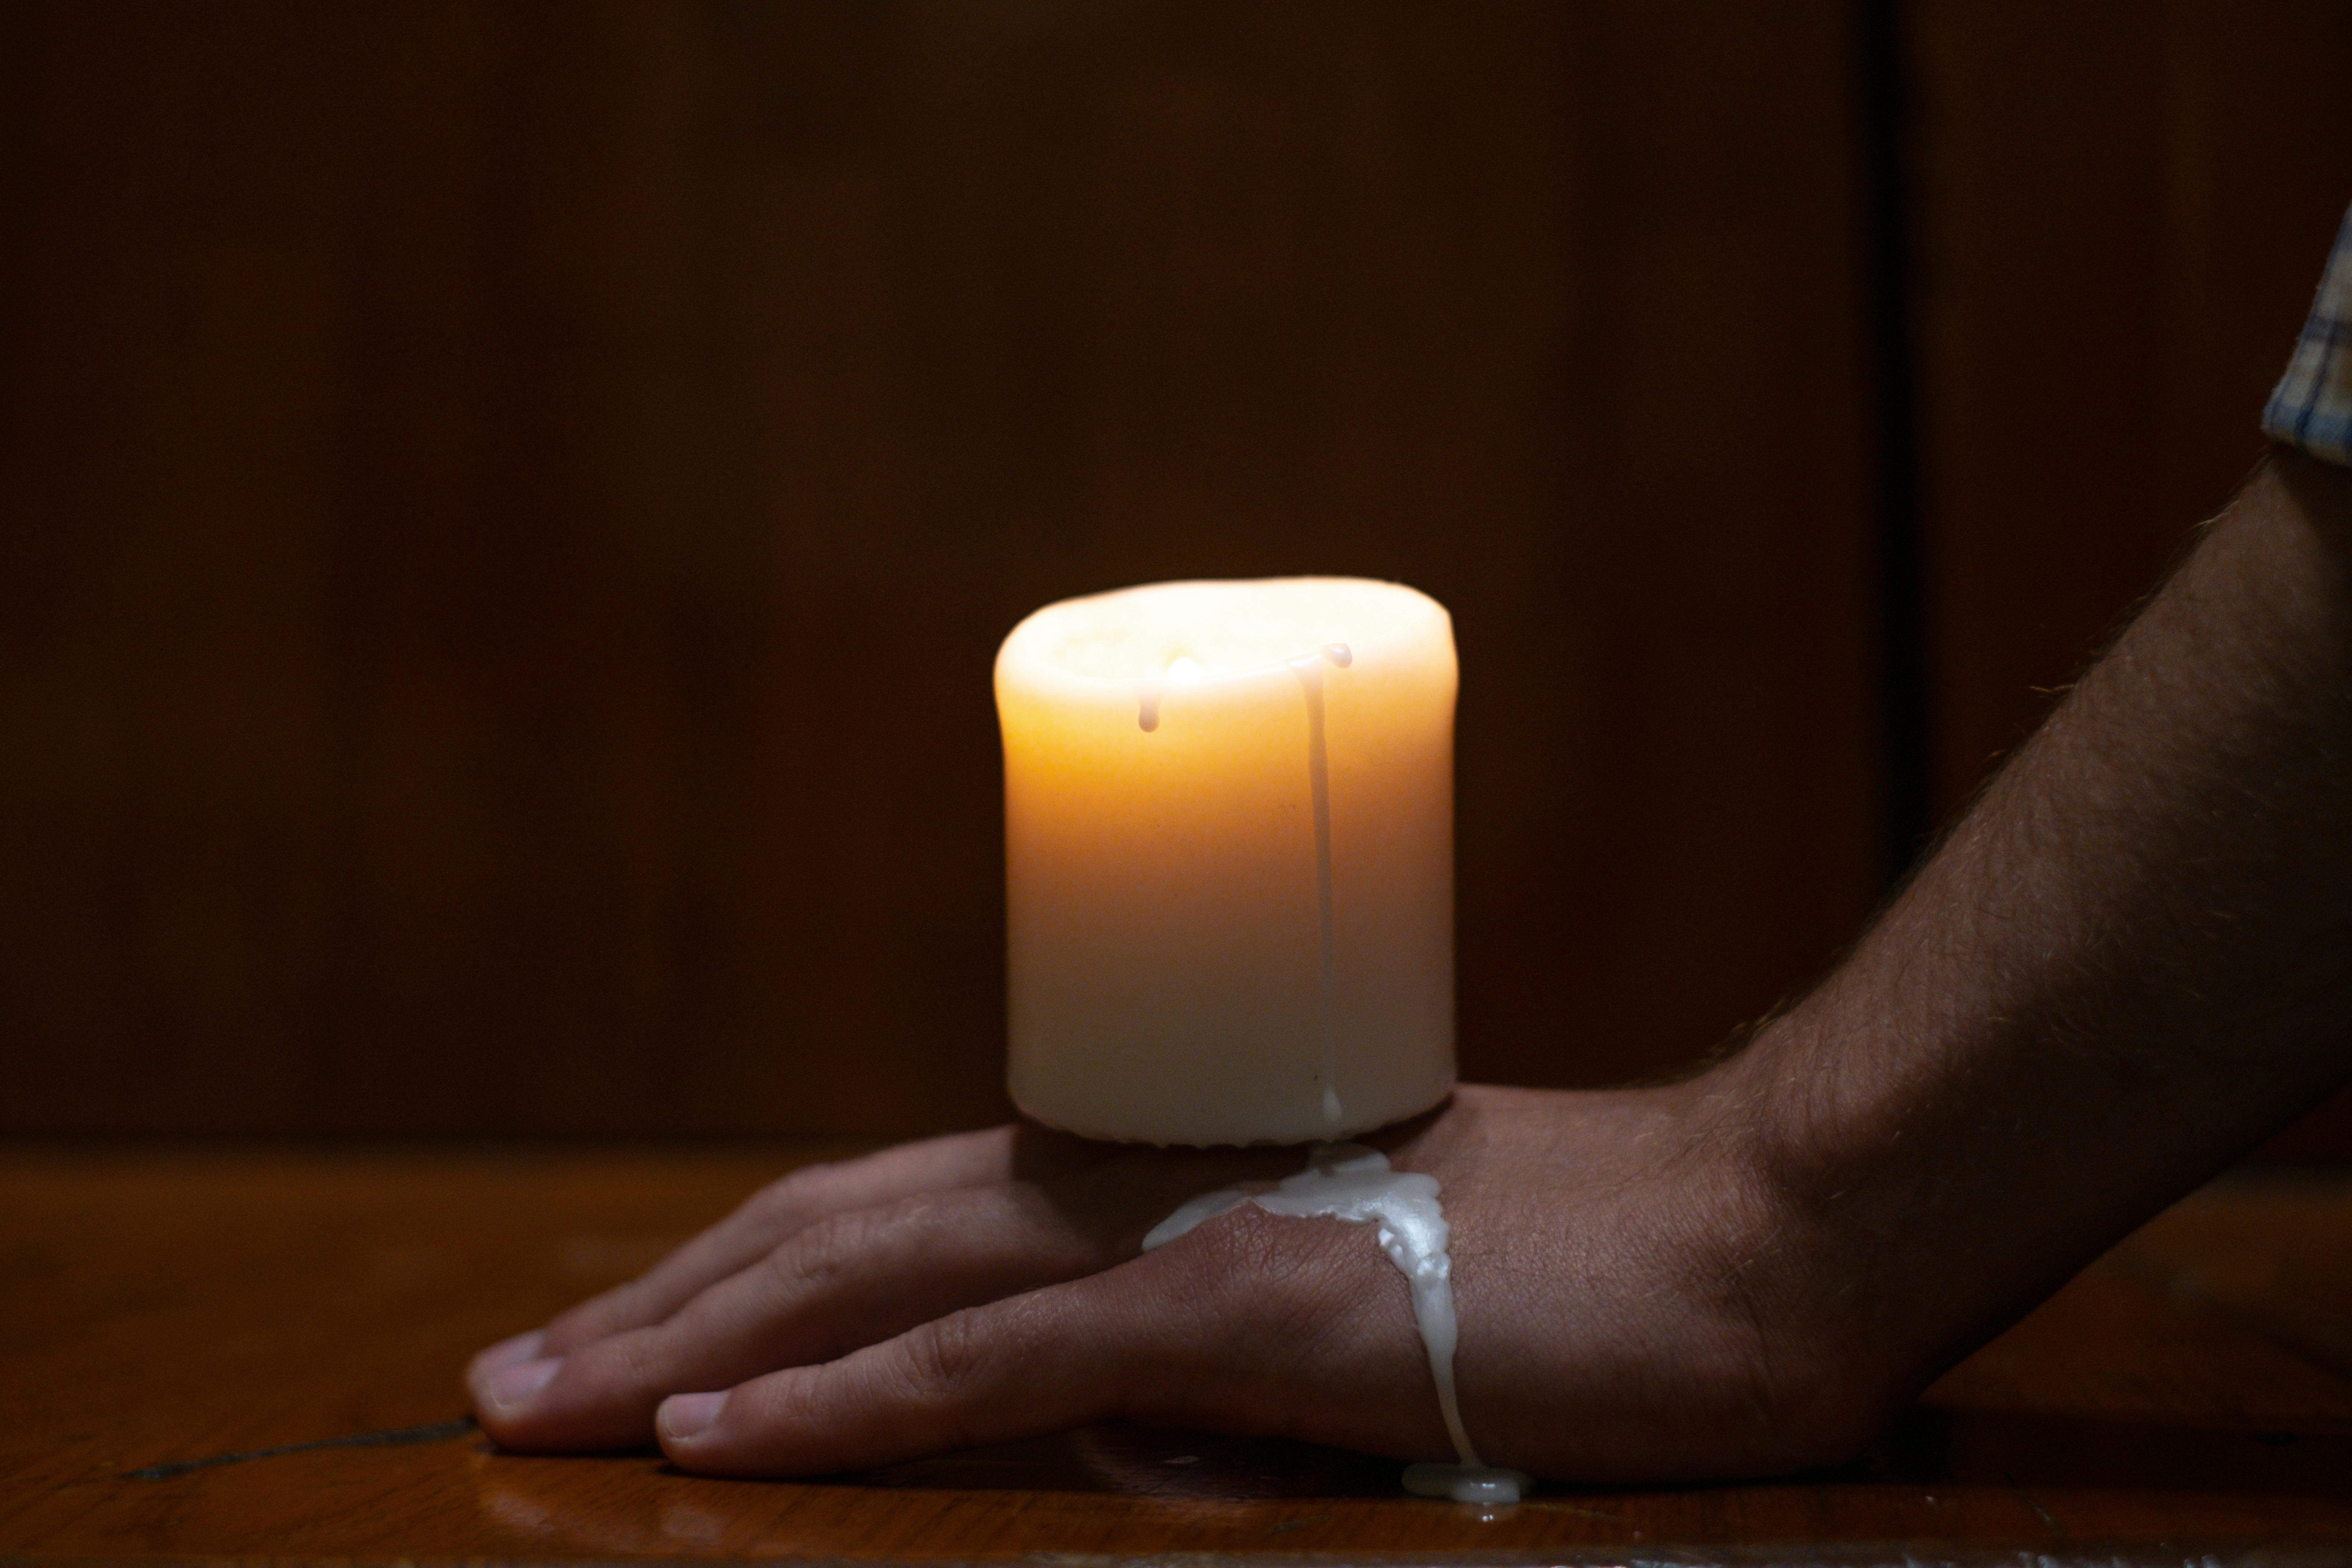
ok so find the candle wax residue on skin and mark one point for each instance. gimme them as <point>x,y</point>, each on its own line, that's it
<point>1349,1182</point>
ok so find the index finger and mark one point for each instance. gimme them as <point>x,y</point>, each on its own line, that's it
<point>767,1218</point>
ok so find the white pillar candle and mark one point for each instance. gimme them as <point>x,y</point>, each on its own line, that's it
<point>1229,856</point>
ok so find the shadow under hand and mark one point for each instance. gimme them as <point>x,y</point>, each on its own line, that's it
<point>643,1508</point>
<point>1130,1460</point>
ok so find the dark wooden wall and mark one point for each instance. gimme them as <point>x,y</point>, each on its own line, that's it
<point>505,510</point>
<point>2122,210</point>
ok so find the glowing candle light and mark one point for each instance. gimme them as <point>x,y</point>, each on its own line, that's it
<point>1228,847</point>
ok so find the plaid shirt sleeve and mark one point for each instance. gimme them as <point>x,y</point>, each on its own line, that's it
<point>2313,405</point>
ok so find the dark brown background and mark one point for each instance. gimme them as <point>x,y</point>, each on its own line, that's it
<point>505,510</point>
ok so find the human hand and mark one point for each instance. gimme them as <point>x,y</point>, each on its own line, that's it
<point>1631,1306</point>
<point>2118,972</point>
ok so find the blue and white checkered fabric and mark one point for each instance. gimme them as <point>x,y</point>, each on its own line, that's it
<point>2313,405</point>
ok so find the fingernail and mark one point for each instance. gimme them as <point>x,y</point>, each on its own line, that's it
<point>517,1384</point>
<point>508,1352</point>
<point>684,1414</point>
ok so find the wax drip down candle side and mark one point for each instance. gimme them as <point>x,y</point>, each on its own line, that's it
<point>1309,671</point>
<point>1350,1182</point>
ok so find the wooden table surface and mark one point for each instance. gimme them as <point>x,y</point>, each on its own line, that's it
<point>167,1319</point>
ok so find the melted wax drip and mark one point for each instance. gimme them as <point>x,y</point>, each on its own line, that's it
<point>1309,671</point>
<point>1349,1182</point>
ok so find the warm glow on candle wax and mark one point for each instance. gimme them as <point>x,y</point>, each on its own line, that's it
<point>1229,844</point>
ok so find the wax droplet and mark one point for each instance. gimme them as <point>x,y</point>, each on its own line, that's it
<point>1486,1484</point>
<point>1339,653</point>
<point>1148,694</point>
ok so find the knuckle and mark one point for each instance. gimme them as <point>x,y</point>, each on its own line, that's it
<point>818,1256</point>
<point>827,1251</point>
<point>947,1356</point>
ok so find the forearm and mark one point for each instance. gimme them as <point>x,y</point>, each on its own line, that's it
<point>2126,966</point>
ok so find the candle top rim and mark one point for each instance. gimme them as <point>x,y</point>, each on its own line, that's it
<point>1150,632</point>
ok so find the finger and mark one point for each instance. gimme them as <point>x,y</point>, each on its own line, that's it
<point>1252,1324</point>
<point>817,1192</point>
<point>832,1288</point>
<point>770,1216</point>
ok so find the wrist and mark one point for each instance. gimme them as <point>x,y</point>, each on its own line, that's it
<point>1855,1310</point>
<point>1768,1280</point>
